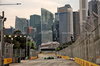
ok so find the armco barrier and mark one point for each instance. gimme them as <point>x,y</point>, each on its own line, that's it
<point>31,58</point>
<point>7,60</point>
<point>84,62</point>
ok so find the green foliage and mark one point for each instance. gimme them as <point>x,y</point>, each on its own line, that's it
<point>32,44</point>
<point>64,45</point>
<point>34,48</point>
<point>69,43</point>
<point>16,44</point>
<point>19,42</point>
<point>59,48</point>
<point>18,32</point>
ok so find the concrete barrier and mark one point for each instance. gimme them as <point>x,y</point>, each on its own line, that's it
<point>31,58</point>
<point>84,62</point>
<point>80,61</point>
<point>40,53</point>
<point>65,57</point>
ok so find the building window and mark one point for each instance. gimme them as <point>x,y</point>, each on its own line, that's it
<point>83,3</point>
<point>83,15</point>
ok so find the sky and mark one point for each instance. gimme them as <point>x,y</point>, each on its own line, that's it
<point>31,7</point>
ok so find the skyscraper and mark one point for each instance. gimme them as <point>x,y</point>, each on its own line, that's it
<point>65,23</point>
<point>35,22</point>
<point>20,24</point>
<point>99,8</point>
<point>9,30</point>
<point>55,28</point>
<point>83,13</point>
<point>94,6</point>
<point>46,25</point>
<point>76,25</point>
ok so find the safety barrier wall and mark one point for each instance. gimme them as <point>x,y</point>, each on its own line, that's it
<point>33,54</point>
<point>40,53</point>
<point>8,54</point>
<point>65,57</point>
<point>84,62</point>
<point>8,50</point>
<point>31,58</point>
<point>49,53</point>
<point>19,53</point>
<point>80,61</point>
<point>86,47</point>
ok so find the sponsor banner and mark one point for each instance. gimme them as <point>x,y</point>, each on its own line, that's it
<point>7,60</point>
<point>84,62</point>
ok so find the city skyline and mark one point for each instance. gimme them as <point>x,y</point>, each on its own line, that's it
<point>25,10</point>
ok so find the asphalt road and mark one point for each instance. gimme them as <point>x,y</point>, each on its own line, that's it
<point>41,62</point>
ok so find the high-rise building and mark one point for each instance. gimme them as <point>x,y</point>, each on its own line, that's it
<point>46,25</point>
<point>76,25</point>
<point>9,30</point>
<point>65,23</point>
<point>20,24</point>
<point>55,28</point>
<point>83,13</point>
<point>94,6</point>
<point>26,29</point>
<point>35,22</point>
<point>99,8</point>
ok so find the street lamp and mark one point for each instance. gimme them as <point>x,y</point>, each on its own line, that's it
<point>2,19</point>
<point>9,35</point>
<point>11,4</point>
<point>15,35</point>
<point>20,35</point>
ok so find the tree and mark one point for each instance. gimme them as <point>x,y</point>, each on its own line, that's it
<point>17,32</point>
<point>16,44</point>
<point>58,49</point>
<point>32,44</point>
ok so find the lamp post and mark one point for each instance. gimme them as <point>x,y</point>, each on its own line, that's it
<point>11,4</point>
<point>2,19</point>
<point>26,45</point>
<point>30,46</point>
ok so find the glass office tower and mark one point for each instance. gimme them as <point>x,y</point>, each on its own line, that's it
<point>65,23</point>
<point>46,25</point>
